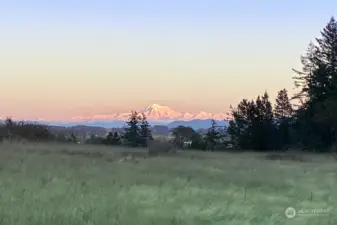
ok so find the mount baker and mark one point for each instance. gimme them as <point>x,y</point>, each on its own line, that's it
<point>156,112</point>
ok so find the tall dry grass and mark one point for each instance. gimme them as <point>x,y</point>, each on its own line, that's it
<point>44,183</point>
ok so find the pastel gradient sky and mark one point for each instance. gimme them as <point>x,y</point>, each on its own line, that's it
<point>64,58</point>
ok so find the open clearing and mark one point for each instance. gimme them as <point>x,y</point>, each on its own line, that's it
<point>86,185</point>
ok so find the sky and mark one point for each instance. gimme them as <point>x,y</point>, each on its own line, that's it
<point>60,59</point>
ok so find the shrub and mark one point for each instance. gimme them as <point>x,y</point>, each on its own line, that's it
<point>160,146</point>
<point>27,131</point>
<point>3,133</point>
<point>94,140</point>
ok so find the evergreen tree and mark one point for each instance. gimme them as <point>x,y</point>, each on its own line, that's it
<point>283,108</point>
<point>241,125</point>
<point>198,142</point>
<point>131,134</point>
<point>283,112</point>
<point>253,125</point>
<point>315,121</point>
<point>112,139</point>
<point>212,136</point>
<point>145,131</point>
<point>263,125</point>
<point>116,138</point>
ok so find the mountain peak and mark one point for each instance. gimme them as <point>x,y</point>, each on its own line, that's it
<point>157,111</point>
<point>160,113</point>
<point>156,106</point>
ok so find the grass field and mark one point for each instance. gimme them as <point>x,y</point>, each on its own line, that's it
<point>84,185</point>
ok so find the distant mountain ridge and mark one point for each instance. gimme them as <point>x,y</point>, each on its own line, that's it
<point>198,124</point>
<point>156,115</point>
<point>156,112</point>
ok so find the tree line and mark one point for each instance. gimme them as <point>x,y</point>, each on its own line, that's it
<point>311,125</point>
<point>136,133</point>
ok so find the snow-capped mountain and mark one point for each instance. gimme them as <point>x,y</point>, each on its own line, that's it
<point>158,112</point>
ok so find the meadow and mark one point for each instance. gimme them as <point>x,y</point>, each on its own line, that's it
<point>64,184</point>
